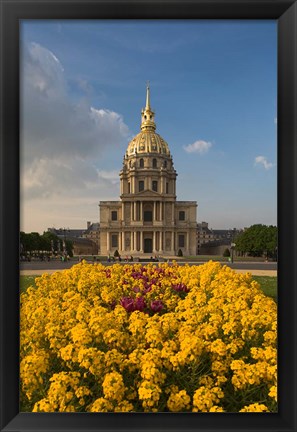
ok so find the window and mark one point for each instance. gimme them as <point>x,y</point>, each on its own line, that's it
<point>165,164</point>
<point>141,185</point>
<point>147,216</point>
<point>155,186</point>
<point>182,216</point>
<point>141,163</point>
<point>114,215</point>
<point>181,240</point>
<point>114,240</point>
<point>154,163</point>
<point>167,188</point>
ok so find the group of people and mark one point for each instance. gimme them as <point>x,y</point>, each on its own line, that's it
<point>119,258</point>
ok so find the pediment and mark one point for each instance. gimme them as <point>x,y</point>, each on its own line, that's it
<point>147,193</point>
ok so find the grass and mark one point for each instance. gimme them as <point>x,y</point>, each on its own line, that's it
<point>220,258</point>
<point>26,281</point>
<point>268,284</point>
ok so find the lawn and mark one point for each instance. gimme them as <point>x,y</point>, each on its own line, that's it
<point>26,281</point>
<point>267,283</point>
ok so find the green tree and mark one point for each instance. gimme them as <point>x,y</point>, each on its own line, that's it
<point>226,253</point>
<point>258,240</point>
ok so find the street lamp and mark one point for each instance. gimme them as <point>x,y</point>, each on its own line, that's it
<point>232,250</point>
<point>65,230</point>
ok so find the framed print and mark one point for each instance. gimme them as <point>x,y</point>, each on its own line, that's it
<point>88,327</point>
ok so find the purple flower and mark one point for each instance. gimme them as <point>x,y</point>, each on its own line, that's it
<point>127,303</point>
<point>147,287</point>
<point>131,304</point>
<point>139,304</point>
<point>136,289</point>
<point>157,305</point>
<point>180,287</point>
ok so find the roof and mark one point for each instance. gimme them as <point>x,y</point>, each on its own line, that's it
<point>92,227</point>
<point>148,141</point>
<point>67,232</point>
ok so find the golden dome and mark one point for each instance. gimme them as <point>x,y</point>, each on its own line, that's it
<point>148,141</point>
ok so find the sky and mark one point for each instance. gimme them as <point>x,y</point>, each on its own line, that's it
<point>213,87</point>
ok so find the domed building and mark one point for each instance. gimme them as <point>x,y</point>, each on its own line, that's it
<point>148,220</point>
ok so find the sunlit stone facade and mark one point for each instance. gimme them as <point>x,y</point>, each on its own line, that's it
<point>148,220</point>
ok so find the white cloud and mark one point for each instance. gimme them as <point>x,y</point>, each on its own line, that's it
<point>51,123</point>
<point>112,176</point>
<point>262,160</point>
<point>62,140</point>
<point>199,146</point>
<point>275,120</point>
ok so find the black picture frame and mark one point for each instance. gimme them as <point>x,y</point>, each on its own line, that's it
<point>285,12</point>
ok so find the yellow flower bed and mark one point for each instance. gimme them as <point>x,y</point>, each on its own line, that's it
<point>134,338</point>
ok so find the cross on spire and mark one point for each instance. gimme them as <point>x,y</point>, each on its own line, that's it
<point>148,105</point>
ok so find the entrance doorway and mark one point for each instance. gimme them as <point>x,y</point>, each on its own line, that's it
<point>148,245</point>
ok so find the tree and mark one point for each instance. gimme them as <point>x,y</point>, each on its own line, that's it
<point>258,240</point>
<point>226,253</point>
<point>46,242</point>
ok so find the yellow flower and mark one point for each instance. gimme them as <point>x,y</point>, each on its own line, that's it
<point>82,350</point>
<point>256,407</point>
<point>179,401</point>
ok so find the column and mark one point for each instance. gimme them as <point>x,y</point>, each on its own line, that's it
<point>123,212</point>
<point>172,214</point>
<point>154,241</point>
<point>131,210</point>
<point>107,242</point>
<point>160,241</point>
<point>141,210</point>
<point>123,240</point>
<point>161,205</point>
<point>154,218</point>
<point>133,184</point>
<point>141,241</point>
<point>135,211</point>
<point>172,241</point>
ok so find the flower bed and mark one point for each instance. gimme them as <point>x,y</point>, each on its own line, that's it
<point>154,338</point>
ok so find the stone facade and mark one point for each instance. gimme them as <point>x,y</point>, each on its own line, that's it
<point>148,220</point>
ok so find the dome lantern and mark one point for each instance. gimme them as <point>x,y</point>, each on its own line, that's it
<point>148,141</point>
<point>147,114</point>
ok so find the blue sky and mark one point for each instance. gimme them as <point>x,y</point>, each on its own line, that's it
<point>213,88</point>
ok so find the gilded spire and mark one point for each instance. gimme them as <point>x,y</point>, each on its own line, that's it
<point>147,114</point>
<point>148,105</point>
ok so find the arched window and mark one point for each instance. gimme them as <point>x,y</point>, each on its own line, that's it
<point>154,163</point>
<point>141,163</point>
